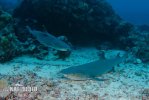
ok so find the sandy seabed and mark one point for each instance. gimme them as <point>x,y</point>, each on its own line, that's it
<point>129,81</point>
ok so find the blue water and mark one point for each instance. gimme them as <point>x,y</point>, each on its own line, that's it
<point>9,4</point>
<point>134,11</point>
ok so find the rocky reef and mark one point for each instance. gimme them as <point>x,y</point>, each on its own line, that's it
<point>10,43</point>
<point>5,18</point>
<point>82,21</point>
<point>141,44</point>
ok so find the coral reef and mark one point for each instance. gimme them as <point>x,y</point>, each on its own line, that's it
<point>143,54</point>
<point>12,45</point>
<point>15,40</point>
<point>81,21</point>
<point>5,18</point>
<point>140,41</point>
<point>76,19</point>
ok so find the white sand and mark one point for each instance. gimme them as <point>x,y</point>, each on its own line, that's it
<point>126,83</point>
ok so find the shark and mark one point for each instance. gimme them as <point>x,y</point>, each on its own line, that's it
<point>91,70</point>
<point>49,40</point>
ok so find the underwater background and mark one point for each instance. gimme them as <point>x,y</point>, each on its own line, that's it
<point>133,11</point>
<point>74,50</point>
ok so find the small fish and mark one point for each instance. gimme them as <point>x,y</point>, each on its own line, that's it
<point>49,40</point>
<point>92,70</point>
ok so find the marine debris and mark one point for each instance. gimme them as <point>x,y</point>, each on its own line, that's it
<point>49,40</point>
<point>93,69</point>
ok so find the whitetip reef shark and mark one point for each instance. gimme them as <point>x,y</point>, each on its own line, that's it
<point>90,71</point>
<point>49,40</point>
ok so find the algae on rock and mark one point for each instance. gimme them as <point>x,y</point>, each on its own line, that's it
<point>5,18</point>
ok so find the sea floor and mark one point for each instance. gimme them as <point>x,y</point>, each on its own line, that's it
<point>128,82</point>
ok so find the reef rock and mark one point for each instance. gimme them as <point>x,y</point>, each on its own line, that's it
<point>140,40</point>
<point>79,20</point>
<point>5,18</point>
<point>11,46</point>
